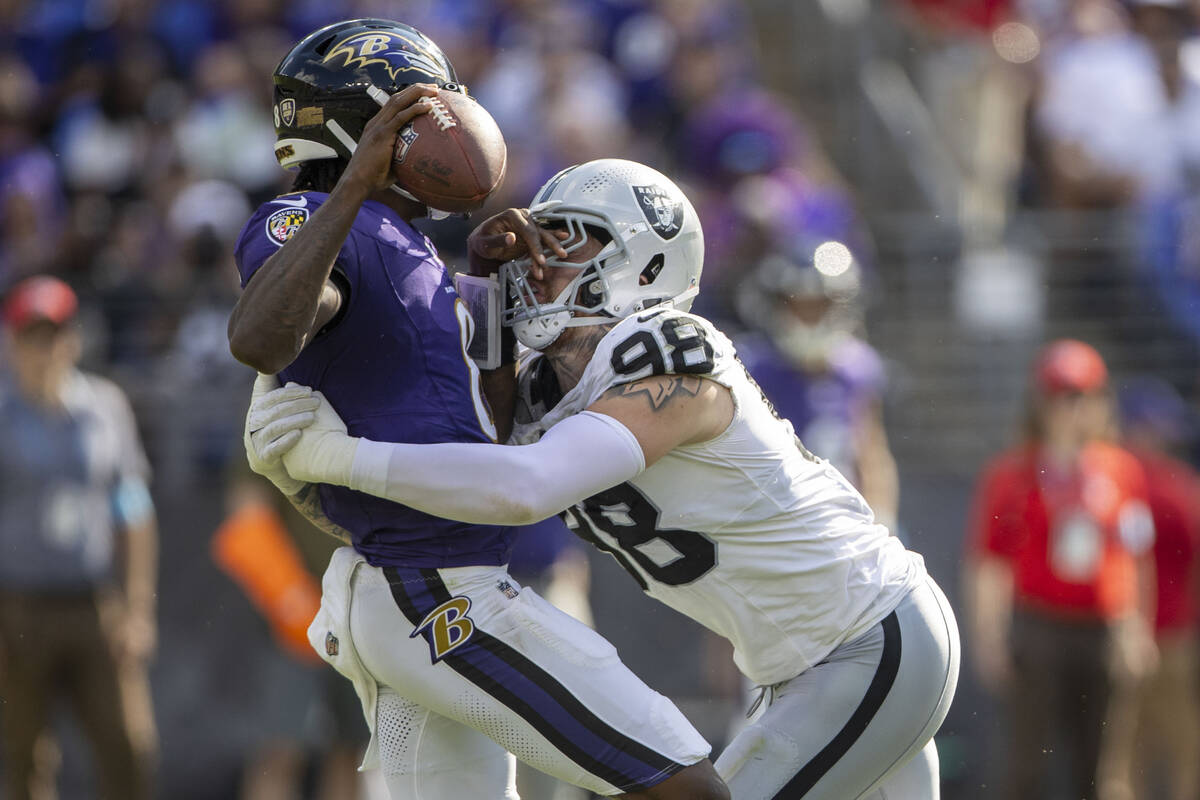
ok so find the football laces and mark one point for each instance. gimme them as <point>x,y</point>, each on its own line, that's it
<point>441,115</point>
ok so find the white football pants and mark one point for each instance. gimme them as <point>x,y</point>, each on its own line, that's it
<point>859,724</point>
<point>454,667</point>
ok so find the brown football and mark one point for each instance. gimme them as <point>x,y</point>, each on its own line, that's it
<point>452,157</point>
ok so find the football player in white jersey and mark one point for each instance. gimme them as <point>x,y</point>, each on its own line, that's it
<point>636,420</point>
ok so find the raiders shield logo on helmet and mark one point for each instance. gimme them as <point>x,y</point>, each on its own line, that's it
<point>663,212</point>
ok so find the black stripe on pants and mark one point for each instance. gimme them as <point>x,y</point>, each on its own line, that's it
<point>877,692</point>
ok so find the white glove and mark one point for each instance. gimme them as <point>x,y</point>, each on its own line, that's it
<point>325,452</point>
<point>273,426</point>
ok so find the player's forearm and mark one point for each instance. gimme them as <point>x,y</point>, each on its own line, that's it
<point>877,470</point>
<point>881,486</point>
<point>500,484</point>
<point>500,390</point>
<point>273,317</point>
<point>477,483</point>
<point>308,502</point>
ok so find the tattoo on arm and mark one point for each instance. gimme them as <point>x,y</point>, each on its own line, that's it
<point>308,502</point>
<point>659,391</point>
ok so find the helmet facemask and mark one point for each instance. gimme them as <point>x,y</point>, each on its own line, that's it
<point>538,324</point>
<point>652,254</point>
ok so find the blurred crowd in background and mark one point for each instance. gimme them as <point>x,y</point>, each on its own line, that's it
<point>954,182</point>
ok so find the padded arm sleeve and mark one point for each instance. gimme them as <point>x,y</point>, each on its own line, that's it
<point>497,484</point>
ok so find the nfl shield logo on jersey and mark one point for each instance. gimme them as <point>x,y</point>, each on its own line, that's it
<point>663,212</point>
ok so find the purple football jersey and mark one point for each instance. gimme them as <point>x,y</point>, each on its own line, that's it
<point>395,368</point>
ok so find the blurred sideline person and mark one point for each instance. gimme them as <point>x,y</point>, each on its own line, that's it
<point>820,376</point>
<point>78,554</point>
<point>637,420</point>
<point>342,293</point>
<point>1058,577</point>
<point>1165,735</point>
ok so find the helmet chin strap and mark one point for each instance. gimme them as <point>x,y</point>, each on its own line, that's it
<point>434,213</point>
<point>347,141</point>
<point>583,322</point>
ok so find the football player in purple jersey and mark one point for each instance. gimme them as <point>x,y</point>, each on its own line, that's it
<point>454,662</point>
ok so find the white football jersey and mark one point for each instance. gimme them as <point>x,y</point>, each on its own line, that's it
<point>749,534</point>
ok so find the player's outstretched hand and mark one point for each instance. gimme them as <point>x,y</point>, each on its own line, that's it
<point>273,426</point>
<point>371,164</point>
<point>325,451</point>
<point>510,235</point>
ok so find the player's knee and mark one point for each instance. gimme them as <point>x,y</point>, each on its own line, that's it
<point>696,782</point>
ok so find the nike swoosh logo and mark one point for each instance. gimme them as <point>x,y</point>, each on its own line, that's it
<point>299,203</point>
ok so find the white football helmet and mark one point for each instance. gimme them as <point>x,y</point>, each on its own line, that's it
<point>654,256</point>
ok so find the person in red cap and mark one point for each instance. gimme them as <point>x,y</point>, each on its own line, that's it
<point>1156,426</point>
<point>1057,579</point>
<point>78,553</point>
<point>40,299</point>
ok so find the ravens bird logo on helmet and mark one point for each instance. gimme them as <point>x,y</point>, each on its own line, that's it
<point>321,100</point>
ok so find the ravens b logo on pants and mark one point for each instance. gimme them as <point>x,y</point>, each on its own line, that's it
<point>446,627</point>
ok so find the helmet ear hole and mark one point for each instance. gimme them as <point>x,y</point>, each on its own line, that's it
<point>590,293</point>
<point>651,270</point>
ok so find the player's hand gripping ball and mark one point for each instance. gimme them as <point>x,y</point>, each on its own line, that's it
<point>453,157</point>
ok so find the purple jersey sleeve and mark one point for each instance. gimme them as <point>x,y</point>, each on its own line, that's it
<point>270,227</point>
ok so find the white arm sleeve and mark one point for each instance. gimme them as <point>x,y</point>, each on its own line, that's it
<point>500,484</point>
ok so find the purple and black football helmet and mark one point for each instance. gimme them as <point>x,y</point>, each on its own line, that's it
<point>321,100</point>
